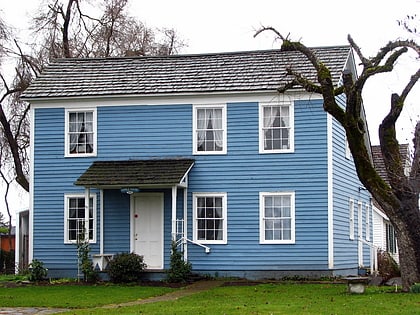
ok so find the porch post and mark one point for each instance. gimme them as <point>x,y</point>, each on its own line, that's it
<point>185,225</point>
<point>174,195</point>
<point>87,206</point>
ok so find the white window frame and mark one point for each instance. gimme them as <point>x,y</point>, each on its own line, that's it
<point>67,197</point>
<point>292,217</point>
<point>67,134</point>
<point>351,219</point>
<point>224,216</point>
<point>224,127</point>
<point>291,148</point>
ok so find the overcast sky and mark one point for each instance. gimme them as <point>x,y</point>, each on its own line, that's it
<point>229,25</point>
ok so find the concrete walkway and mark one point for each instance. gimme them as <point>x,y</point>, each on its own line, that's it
<point>196,287</point>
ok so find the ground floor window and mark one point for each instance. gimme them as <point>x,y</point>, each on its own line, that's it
<point>277,217</point>
<point>77,220</point>
<point>391,241</point>
<point>210,223</point>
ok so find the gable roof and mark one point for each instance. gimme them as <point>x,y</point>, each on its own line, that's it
<point>378,159</point>
<point>135,173</point>
<point>217,72</point>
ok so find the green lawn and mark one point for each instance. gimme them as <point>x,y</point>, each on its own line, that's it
<point>279,298</point>
<point>74,296</point>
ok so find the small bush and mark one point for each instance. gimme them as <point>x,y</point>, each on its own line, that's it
<point>179,270</point>
<point>126,267</point>
<point>37,271</point>
<point>415,288</point>
<point>7,261</point>
<point>387,266</point>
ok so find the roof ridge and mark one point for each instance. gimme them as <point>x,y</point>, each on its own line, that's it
<point>227,53</point>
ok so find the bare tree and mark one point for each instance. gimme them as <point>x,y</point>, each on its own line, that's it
<point>400,196</point>
<point>62,29</point>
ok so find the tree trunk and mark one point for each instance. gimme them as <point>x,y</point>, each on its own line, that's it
<point>406,222</point>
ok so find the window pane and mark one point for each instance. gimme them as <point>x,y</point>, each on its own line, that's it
<point>276,125</point>
<point>277,220</point>
<point>80,133</point>
<point>209,214</point>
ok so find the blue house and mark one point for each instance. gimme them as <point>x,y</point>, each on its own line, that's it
<point>200,149</point>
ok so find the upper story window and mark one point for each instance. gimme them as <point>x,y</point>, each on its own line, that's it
<point>276,127</point>
<point>277,218</point>
<point>209,134</point>
<point>80,132</point>
<point>78,221</point>
<point>210,218</point>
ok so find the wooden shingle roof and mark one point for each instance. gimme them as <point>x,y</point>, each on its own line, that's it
<point>135,173</point>
<point>205,73</point>
<point>378,160</point>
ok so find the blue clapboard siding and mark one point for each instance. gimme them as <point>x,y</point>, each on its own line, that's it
<point>345,187</point>
<point>159,131</point>
<point>243,174</point>
<point>53,178</point>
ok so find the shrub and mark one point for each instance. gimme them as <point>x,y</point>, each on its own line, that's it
<point>37,271</point>
<point>7,261</point>
<point>415,288</point>
<point>125,268</point>
<point>179,270</point>
<point>387,266</point>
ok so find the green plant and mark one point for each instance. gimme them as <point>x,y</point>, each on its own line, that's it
<point>387,266</point>
<point>37,271</point>
<point>84,261</point>
<point>7,261</point>
<point>415,288</point>
<point>126,267</point>
<point>179,269</point>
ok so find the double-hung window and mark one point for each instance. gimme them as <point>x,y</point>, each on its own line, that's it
<point>79,223</point>
<point>209,134</point>
<point>210,221</point>
<point>80,133</point>
<point>276,127</point>
<point>277,217</point>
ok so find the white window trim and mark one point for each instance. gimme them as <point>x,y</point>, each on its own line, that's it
<point>66,215</point>
<point>224,126</point>
<point>224,214</point>
<point>351,219</point>
<point>261,125</point>
<point>66,132</point>
<point>292,214</point>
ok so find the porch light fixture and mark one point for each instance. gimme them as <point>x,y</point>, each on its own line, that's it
<point>129,191</point>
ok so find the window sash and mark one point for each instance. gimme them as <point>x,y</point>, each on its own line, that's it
<point>210,222</point>
<point>276,127</point>
<point>81,132</point>
<point>209,123</point>
<point>277,222</point>
<point>75,219</point>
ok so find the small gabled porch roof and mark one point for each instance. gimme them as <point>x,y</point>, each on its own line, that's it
<point>136,173</point>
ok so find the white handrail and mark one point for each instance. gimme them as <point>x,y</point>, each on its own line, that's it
<point>184,239</point>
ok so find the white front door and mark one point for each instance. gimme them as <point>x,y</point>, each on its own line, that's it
<point>148,228</point>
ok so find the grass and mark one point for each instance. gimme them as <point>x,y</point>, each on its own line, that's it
<point>278,298</point>
<point>74,295</point>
